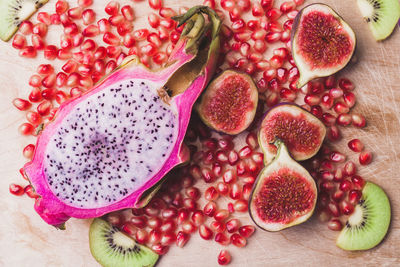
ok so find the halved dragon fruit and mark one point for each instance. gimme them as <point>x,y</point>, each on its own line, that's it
<point>106,148</point>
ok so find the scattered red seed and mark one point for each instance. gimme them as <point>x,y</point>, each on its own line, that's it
<point>365,157</point>
<point>224,258</point>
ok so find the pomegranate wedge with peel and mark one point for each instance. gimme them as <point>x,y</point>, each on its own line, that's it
<point>284,195</point>
<point>104,149</point>
<point>302,132</point>
<point>322,42</point>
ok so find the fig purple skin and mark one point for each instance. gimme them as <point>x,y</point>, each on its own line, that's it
<point>303,132</point>
<point>322,42</point>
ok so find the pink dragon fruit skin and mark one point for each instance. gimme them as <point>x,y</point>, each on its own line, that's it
<point>56,208</point>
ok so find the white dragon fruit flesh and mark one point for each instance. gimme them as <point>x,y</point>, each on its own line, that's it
<point>104,149</point>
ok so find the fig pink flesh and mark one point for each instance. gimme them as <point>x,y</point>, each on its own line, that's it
<point>288,128</point>
<point>322,41</point>
<point>227,107</point>
<point>283,197</point>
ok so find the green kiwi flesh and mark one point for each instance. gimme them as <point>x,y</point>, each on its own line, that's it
<point>369,223</point>
<point>112,248</point>
<point>13,12</point>
<point>381,15</point>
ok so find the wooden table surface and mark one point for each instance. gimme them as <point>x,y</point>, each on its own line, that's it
<point>25,240</point>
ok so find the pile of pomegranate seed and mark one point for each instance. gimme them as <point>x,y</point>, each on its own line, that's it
<point>91,47</point>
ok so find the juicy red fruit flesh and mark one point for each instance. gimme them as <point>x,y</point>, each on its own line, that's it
<point>321,42</point>
<point>227,107</point>
<point>284,196</point>
<point>288,128</point>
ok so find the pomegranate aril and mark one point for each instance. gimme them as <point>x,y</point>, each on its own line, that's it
<point>346,208</point>
<point>116,20</point>
<point>240,205</point>
<point>345,185</point>
<point>141,236</point>
<point>111,39</point>
<point>224,257</point>
<point>344,119</point>
<point>139,221</point>
<point>341,107</point>
<point>346,84</point>
<point>358,120</point>
<point>113,51</point>
<point>333,208</point>
<point>16,189</point>
<point>229,176</point>
<point>181,239</point>
<point>232,225</point>
<point>247,188</point>
<point>40,29</point>
<point>365,157</point>
<point>75,13</point>
<point>292,14</point>
<point>55,19</point>
<point>358,181</point>
<point>71,29</point>
<point>235,191</point>
<point>19,41</point>
<point>198,217</point>
<point>25,27</point>
<point>64,54</point>
<point>337,157</point>
<point>222,239</point>
<point>168,225</point>
<point>155,4</point>
<point>222,188</point>
<point>211,193</point>
<point>88,16</point>
<point>246,231</point>
<point>335,225</point>
<point>328,119</point>
<point>210,209</point>
<point>273,37</point>
<point>49,81</point>
<point>90,31</point>
<point>153,20</point>
<point>154,236</point>
<point>218,227</point>
<point>238,240</point>
<point>354,196</point>
<point>129,228</point>
<point>112,8</point>
<point>25,128</point>
<point>188,227</point>
<point>35,95</point>
<point>104,25</point>
<point>33,117</point>
<point>356,145</point>
<point>28,151</point>
<point>160,249</point>
<point>69,66</point>
<point>221,215</point>
<point>28,52</point>
<point>205,232</point>
<point>21,104</point>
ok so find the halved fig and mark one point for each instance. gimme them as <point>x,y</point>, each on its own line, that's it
<point>284,195</point>
<point>322,42</point>
<point>229,103</point>
<point>302,132</point>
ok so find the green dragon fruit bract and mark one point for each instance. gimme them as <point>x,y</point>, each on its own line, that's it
<point>106,148</point>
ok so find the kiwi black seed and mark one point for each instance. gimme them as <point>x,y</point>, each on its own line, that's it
<point>112,248</point>
<point>13,12</point>
<point>381,15</point>
<point>369,223</point>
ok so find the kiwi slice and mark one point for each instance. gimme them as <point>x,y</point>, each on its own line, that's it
<point>381,15</point>
<point>112,248</point>
<point>13,12</point>
<point>369,223</point>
